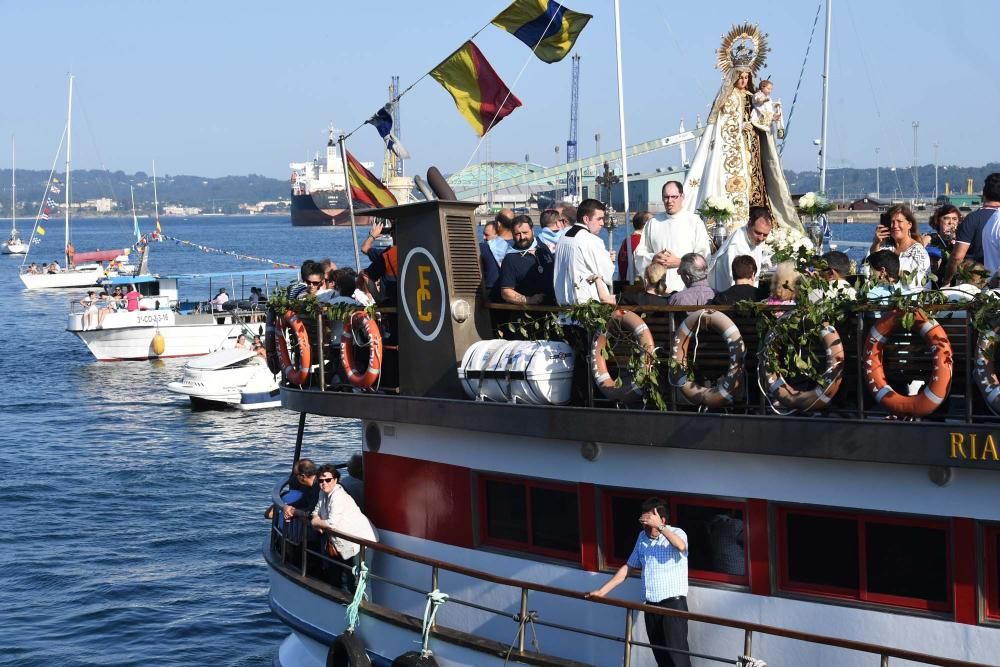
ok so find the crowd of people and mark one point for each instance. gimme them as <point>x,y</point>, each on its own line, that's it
<point>96,307</point>
<point>668,258</point>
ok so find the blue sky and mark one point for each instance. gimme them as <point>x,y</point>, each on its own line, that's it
<point>217,87</point>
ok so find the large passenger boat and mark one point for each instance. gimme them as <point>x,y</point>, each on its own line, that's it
<point>835,534</point>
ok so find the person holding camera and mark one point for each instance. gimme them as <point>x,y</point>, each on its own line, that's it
<point>897,231</point>
<point>661,553</point>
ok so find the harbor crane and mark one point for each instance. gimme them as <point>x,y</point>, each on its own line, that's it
<point>572,178</point>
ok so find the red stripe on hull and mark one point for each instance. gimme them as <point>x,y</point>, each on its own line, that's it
<point>964,569</point>
<point>423,499</point>
<point>759,547</point>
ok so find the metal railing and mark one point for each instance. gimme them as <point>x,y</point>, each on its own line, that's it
<point>282,546</point>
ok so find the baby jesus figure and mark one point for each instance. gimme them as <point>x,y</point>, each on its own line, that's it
<point>766,111</point>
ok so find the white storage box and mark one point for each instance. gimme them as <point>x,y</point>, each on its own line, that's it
<point>534,372</point>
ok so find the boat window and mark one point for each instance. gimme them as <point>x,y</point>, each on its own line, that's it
<point>992,571</point>
<point>529,515</point>
<point>901,561</point>
<point>715,529</point>
<point>149,289</point>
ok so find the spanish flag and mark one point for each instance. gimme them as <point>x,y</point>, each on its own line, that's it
<point>549,29</point>
<point>365,187</point>
<point>481,97</point>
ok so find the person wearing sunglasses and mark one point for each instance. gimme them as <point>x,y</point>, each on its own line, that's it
<point>337,511</point>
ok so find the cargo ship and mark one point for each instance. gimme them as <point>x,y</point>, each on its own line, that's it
<point>319,190</point>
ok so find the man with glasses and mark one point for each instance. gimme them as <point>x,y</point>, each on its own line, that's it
<point>671,235</point>
<point>337,511</point>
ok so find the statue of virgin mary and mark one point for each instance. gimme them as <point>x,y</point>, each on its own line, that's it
<point>738,158</point>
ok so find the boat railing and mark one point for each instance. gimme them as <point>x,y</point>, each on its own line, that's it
<point>289,549</point>
<point>908,361</point>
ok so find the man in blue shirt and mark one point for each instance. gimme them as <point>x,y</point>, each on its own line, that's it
<point>526,272</point>
<point>969,237</point>
<point>661,552</point>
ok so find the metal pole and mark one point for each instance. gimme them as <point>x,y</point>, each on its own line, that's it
<point>628,638</point>
<point>935,172</point>
<point>916,176</point>
<point>878,189</point>
<point>748,643</point>
<point>523,619</point>
<point>350,203</point>
<point>298,437</point>
<point>621,104</point>
<point>826,100</point>
<point>69,154</point>
<point>320,342</point>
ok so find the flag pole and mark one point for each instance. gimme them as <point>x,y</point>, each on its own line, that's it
<point>350,202</point>
<point>621,109</point>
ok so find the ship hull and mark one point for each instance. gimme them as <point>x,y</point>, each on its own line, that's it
<point>322,209</point>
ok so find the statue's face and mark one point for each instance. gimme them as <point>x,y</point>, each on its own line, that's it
<point>743,80</point>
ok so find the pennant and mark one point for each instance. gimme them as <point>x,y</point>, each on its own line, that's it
<point>159,231</point>
<point>54,189</point>
<point>547,27</point>
<point>51,202</point>
<point>480,95</point>
<point>44,215</point>
<point>40,230</point>
<point>365,187</point>
<point>382,121</point>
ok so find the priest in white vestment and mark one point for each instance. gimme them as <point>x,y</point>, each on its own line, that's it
<point>669,236</point>
<point>750,239</point>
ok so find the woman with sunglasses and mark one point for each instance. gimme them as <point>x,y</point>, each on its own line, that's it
<point>337,511</point>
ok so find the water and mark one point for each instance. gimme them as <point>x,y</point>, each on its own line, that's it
<point>133,526</point>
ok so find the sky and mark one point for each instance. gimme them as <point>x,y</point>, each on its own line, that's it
<point>220,87</point>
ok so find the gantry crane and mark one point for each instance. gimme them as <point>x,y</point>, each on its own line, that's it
<point>572,178</point>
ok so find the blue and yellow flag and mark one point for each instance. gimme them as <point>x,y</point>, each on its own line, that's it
<point>548,28</point>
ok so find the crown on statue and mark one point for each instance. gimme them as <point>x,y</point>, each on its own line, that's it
<point>744,47</point>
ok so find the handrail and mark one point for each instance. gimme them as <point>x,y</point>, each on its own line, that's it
<point>885,652</point>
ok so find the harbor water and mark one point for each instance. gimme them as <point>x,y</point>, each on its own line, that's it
<point>134,526</point>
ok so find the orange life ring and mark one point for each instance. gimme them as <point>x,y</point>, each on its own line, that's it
<point>296,374</point>
<point>817,398</point>
<point>725,391</point>
<point>934,391</point>
<point>374,369</point>
<point>628,390</point>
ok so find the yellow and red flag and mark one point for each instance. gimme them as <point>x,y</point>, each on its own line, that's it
<point>480,95</point>
<point>365,187</point>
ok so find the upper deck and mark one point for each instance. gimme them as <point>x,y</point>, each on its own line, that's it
<point>442,312</point>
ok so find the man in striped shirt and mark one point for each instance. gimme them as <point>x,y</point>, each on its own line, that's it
<point>661,552</point>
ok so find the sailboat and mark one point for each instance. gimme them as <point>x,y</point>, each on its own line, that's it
<point>157,234</point>
<point>14,244</point>
<point>81,269</point>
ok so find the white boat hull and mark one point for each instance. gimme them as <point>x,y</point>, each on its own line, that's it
<point>248,385</point>
<point>16,248</point>
<point>126,336</point>
<point>81,276</point>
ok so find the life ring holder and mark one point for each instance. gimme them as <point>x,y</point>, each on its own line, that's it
<point>348,343</point>
<point>935,390</point>
<point>294,373</point>
<point>628,391</point>
<point>724,392</point>
<point>779,392</point>
<point>984,367</point>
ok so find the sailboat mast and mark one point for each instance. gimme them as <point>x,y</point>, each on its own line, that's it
<point>156,200</point>
<point>135,218</point>
<point>621,113</point>
<point>826,98</point>
<point>13,188</point>
<point>69,159</point>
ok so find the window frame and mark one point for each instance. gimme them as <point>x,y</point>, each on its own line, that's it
<point>862,594</point>
<point>527,484</point>
<point>608,561</point>
<point>991,580</point>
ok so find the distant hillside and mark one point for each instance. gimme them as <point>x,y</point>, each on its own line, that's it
<point>224,194</point>
<point>856,183</point>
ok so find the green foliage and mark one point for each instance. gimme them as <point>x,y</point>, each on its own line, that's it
<point>308,305</point>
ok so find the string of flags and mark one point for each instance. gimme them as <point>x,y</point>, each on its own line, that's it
<point>547,27</point>
<point>231,253</point>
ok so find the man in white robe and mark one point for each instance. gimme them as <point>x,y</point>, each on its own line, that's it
<point>669,236</point>
<point>747,240</point>
<point>583,268</point>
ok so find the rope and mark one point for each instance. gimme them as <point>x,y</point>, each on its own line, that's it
<point>434,600</point>
<point>522,622</point>
<point>361,572</point>
<point>788,121</point>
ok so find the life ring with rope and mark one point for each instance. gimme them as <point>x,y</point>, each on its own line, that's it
<point>296,373</point>
<point>935,389</point>
<point>729,386</point>
<point>627,390</point>
<point>370,337</point>
<point>270,345</point>
<point>347,650</point>
<point>805,400</point>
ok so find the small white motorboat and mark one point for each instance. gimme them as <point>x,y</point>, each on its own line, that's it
<point>235,377</point>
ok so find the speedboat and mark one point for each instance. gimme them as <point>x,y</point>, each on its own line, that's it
<point>233,377</point>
